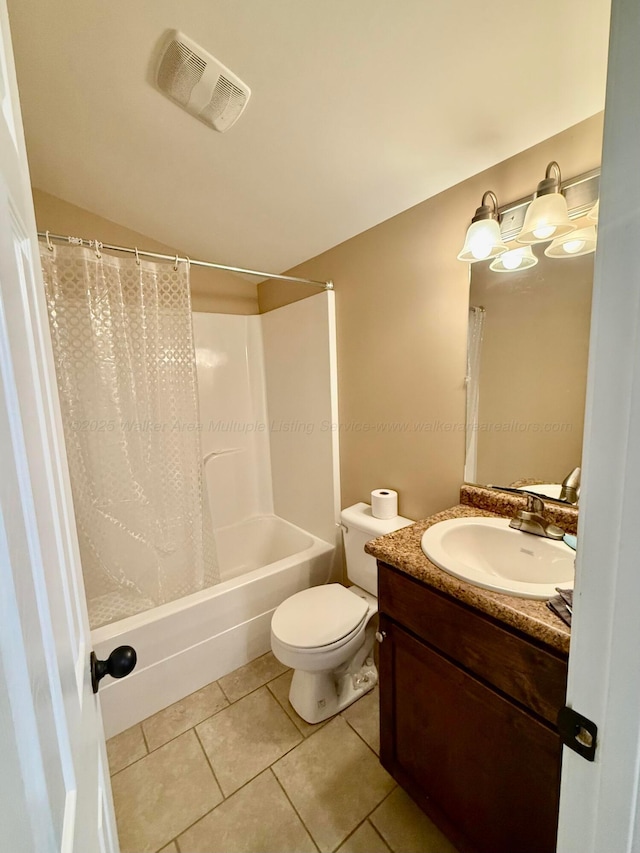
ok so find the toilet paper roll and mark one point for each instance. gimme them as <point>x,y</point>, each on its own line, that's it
<point>384,503</point>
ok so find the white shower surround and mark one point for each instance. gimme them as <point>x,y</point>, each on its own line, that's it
<point>277,531</point>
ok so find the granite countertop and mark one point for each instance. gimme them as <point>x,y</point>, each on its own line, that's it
<point>402,550</point>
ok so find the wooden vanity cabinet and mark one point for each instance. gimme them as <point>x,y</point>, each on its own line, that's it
<point>467,719</point>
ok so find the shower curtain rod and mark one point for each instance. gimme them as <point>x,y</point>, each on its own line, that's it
<point>95,244</point>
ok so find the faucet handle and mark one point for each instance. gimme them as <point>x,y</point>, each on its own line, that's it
<point>534,503</point>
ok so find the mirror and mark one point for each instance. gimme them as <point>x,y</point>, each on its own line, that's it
<point>527,370</point>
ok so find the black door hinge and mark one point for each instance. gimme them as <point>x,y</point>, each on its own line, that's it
<point>578,733</point>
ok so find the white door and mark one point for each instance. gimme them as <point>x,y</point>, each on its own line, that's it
<point>54,788</point>
<point>599,803</point>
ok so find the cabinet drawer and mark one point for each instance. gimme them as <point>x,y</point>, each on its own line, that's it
<point>517,667</point>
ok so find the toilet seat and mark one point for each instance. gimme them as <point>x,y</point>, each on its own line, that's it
<point>319,617</point>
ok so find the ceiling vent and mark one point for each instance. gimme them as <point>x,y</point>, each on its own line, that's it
<point>199,83</point>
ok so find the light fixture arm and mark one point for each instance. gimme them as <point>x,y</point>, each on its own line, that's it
<point>552,182</point>
<point>487,211</point>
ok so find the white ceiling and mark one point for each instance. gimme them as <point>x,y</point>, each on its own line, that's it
<point>359,110</point>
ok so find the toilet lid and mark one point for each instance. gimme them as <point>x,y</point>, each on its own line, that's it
<point>318,616</point>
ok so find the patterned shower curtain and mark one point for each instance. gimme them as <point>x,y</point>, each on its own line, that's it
<point>125,363</point>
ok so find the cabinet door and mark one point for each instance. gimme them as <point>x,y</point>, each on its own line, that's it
<point>466,753</point>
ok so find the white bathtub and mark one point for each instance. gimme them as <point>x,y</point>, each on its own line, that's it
<point>188,643</point>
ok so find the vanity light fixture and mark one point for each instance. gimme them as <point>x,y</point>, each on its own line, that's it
<point>483,240</point>
<point>515,259</point>
<point>547,216</point>
<point>594,213</point>
<point>580,242</point>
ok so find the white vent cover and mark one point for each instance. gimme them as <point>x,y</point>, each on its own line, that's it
<point>199,83</point>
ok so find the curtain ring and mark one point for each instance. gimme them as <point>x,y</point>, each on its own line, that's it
<point>97,245</point>
<point>137,256</point>
<point>49,245</point>
<point>175,266</point>
<point>188,263</point>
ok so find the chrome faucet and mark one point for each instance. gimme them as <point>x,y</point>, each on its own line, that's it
<point>531,520</point>
<point>570,491</point>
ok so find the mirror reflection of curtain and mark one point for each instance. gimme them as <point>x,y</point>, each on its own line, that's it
<point>472,379</point>
<point>125,363</point>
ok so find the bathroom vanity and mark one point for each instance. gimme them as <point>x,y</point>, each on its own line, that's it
<point>471,682</point>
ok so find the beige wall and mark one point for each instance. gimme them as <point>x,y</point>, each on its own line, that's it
<point>533,368</point>
<point>211,290</point>
<point>402,300</point>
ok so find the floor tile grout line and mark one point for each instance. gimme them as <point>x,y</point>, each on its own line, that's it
<point>305,736</point>
<point>301,740</point>
<point>291,748</point>
<point>208,760</point>
<point>368,817</point>
<point>305,740</point>
<point>290,801</point>
<point>199,723</point>
<point>223,690</point>
<point>175,838</point>
<point>158,748</point>
<point>224,800</point>
<point>171,739</point>
<point>377,831</point>
<point>193,728</point>
<point>202,817</point>
<point>353,729</point>
<point>248,782</point>
<point>244,784</point>
<point>268,767</point>
<point>144,737</point>
<point>384,799</point>
<point>264,683</point>
<point>215,713</point>
<point>353,832</point>
<point>253,690</point>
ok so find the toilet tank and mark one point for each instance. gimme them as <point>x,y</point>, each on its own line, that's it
<point>358,527</point>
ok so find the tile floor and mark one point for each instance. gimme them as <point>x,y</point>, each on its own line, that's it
<point>233,769</point>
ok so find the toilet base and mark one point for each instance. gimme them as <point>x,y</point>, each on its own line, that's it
<point>316,696</point>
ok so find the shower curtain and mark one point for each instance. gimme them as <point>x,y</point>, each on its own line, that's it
<point>125,363</point>
<point>474,349</point>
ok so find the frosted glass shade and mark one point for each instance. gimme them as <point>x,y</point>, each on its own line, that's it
<point>515,259</point>
<point>594,213</point>
<point>547,217</point>
<point>580,242</point>
<point>483,241</point>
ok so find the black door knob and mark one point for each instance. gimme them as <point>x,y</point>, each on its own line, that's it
<point>120,662</point>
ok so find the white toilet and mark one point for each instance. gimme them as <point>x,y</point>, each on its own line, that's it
<point>326,633</point>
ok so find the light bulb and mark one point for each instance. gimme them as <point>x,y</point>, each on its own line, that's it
<point>512,260</point>
<point>481,243</point>
<point>543,232</point>
<point>480,249</point>
<point>573,246</point>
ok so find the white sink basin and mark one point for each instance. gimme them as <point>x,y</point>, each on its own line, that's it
<point>488,553</point>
